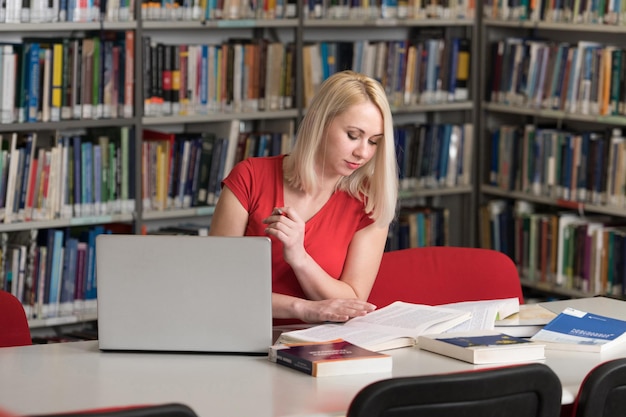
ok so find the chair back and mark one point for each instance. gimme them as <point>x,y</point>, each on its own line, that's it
<point>530,390</point>
<point>151,410</point>
<point>603,391</point>
<point>445,274</point>
<point>14,330</point>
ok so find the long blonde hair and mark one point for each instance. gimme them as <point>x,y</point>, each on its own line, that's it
<point>376,182</point>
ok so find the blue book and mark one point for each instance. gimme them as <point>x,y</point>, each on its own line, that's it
<point>204,77</point>
<point>91,287</point>
<point>566,172</point>
<point>400,139</point>
<point>582,331</point>
<point>68,277</point>
<point>495,146</point>
<point>325,58</point>
<point>77,149</point>
<point>220,169</point>
<point>32,70</point>
<point>444,154</point>
<point>97,179</point>
<point>454,66</point>
<point>56,269</point>
<point>87,178</point>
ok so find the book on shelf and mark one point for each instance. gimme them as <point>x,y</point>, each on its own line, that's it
<point>394,326</point>
<point>332,358</point>
<point>482,347</point>
<point>527,322</point>
<point>578,330</point>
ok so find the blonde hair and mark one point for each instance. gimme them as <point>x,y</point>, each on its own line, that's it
<point>375,183</point>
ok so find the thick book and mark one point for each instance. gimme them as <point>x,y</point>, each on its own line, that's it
<point>483,347</point>
<point>394,326</point>
<point>337,357</point>
<point>581,331</point>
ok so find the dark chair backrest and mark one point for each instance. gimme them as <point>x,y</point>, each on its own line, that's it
<point>529,390</point>
<point>603,391</point>
<point>14,330</point>
<point>151,410</point>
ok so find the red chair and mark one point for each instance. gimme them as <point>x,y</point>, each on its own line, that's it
<point>14,330</point>
<point>443,274</point>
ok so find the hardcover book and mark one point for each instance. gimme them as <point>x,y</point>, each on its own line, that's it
<point>483,347</point>
<point>581,331</point>
<point>332,358</point>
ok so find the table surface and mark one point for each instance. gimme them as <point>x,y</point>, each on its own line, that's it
<point>77,375</point>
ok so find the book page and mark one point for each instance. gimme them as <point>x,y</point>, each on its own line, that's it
<point>398,320</point>
<point>409,319</point>
<point>505,306</point>
<point>359,335</point>
<point>482,319</point>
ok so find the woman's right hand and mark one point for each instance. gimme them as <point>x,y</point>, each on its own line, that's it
<point>336,309</point>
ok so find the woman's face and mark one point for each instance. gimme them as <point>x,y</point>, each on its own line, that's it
<point>351,139</point>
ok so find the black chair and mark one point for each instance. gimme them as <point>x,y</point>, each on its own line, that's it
<point>603,391</point>
<point>529,390</point>
<point>152,410</point>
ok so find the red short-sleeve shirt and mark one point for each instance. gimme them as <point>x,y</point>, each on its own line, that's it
<point>258,184</point>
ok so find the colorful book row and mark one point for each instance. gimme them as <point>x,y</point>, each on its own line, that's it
<point>235,76</point>
<point>413,71</point>
<point>51,271</point>
<point>561,249</point>
<point>49,177</point>
<point>564,11</point>
<point>54,79</point>
<point>585,78</point>
<point>44,11</point>
<point>434,156</point>
<point>185,170</point>
<point>587,167</point>
<point>390,9</point>
<point>419,226</point>
<point>205,10</point>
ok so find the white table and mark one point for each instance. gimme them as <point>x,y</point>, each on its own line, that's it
<point>76,375</point>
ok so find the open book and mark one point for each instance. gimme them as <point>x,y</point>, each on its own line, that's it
<point>393,326</point>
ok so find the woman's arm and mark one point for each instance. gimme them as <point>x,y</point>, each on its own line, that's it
<point>335,309</point>
<point>360,268</point>
<point>230,217</point>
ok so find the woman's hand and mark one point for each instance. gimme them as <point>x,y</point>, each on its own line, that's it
<point>285,225</point>
<point>337,309</point>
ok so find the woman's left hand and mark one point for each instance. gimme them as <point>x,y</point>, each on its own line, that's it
<point>285,225</point>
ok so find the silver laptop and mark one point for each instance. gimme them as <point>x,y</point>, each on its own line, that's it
<point>184,293</point>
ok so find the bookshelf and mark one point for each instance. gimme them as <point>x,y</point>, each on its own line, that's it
<point>163,31</point>
<point>415,113</point>
<point>550,196</point>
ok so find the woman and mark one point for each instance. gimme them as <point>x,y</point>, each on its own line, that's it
<point>326,206</point>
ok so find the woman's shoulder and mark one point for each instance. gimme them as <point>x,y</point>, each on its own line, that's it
<point>260,163</point>
<point>256,168</point>
<point>267,160</point>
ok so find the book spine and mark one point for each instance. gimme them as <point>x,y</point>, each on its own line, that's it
<point>129,73</point>
<point>294,362</point>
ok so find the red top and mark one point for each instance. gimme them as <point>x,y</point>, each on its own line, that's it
<point>258,184</point>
